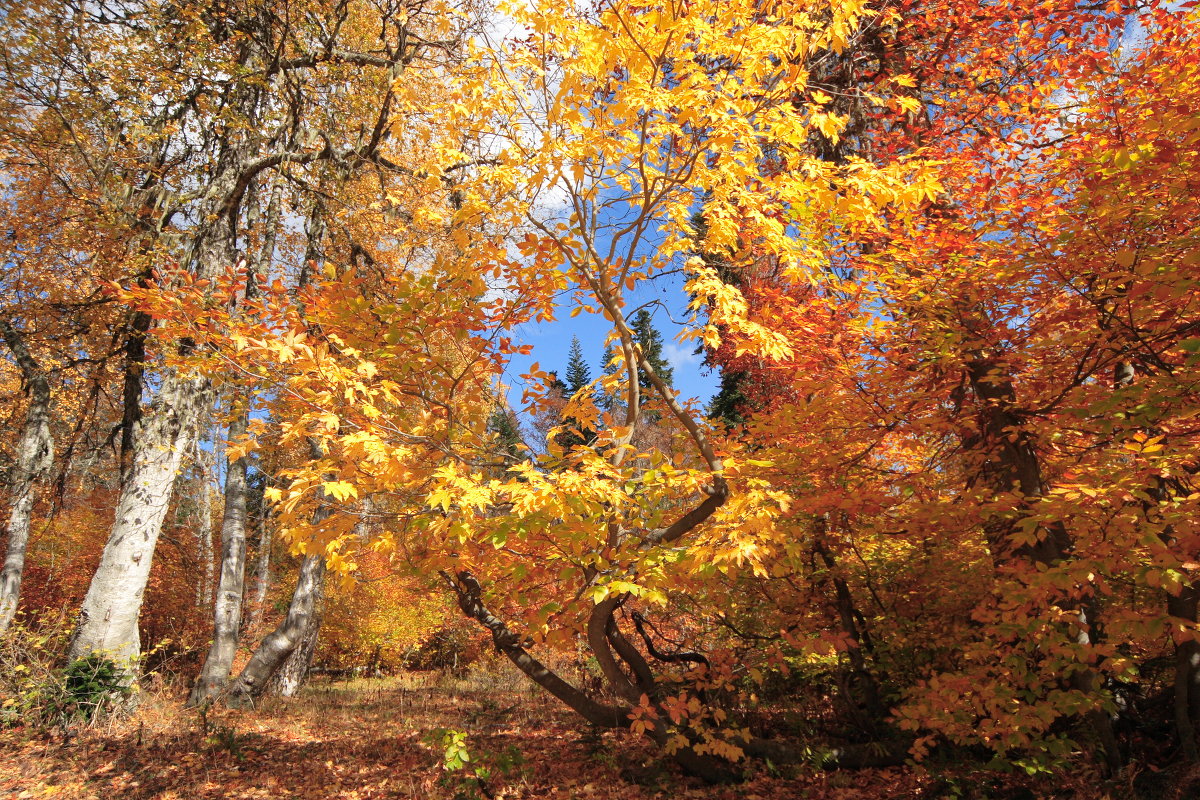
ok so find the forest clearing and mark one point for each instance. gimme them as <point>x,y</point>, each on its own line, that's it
<point>368,739</point>
<point>567,398</point>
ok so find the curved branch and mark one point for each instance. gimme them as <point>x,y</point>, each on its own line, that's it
<point>597,637</point>
<point>640,622</point>
<point>470,599</point>
<point>630,655</point>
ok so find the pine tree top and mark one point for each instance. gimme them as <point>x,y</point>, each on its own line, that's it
<point>651,342</point>
<point>578,373</point>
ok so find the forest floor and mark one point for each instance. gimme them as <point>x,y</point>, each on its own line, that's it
<point>386,738</point>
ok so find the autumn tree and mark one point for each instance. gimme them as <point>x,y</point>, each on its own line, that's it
<point>621,529</point>
<point>205,105</point>
<point>950,375</point>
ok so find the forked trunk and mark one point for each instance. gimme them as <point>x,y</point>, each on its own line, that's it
<point>278,645</point>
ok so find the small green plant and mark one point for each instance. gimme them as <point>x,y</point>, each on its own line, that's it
<point>37,691</point>
<point>468,782</point>
<point>91,684</point>
<point>225,737</point>
<point>454,747</point>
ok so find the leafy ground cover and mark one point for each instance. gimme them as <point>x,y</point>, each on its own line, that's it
<point>482,737</point>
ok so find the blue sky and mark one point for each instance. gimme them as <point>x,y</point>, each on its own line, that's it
<point>551,341</point>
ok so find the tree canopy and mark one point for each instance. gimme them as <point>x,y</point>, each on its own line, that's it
<point>941,256</point>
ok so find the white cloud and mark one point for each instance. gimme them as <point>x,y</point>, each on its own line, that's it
<point>679,356</point>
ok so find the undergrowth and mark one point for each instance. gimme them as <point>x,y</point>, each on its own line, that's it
<point>39,690</point>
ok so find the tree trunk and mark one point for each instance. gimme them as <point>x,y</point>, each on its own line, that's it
<point>204,531</point>
<point>469,594</point>
<point>262,574</point>
<point>848,615</point>
<point>108,620</point>
<point>278,645</point>
<point>35,453</point>
<point>255,274</point>
<point>1187,674</point>
<point>227,608</point>
<point>298,629</point>
<point>1011,464</point>
<point>290,676</point>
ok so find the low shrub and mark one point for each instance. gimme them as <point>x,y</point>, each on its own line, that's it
<point>38,690</point>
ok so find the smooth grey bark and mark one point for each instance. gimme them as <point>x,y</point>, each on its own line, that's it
<point>35,453</point>
<point>262,574</point>
<point>227,606</point>
<point>292,673</point>
<point>278,645</point>
<point>204,530</point>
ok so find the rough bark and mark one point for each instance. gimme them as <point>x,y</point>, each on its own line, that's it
<point>131,384</point>
<point>1011,464</point>
<point>278,645</point>
<point>227,607</point>
<point>1186,706</point>
<point>35,453</point>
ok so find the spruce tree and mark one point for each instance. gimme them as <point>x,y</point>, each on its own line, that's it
<point>729,403</point>
<point>651,342</point>
<point>578,374</point>
<point>503,424</point>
